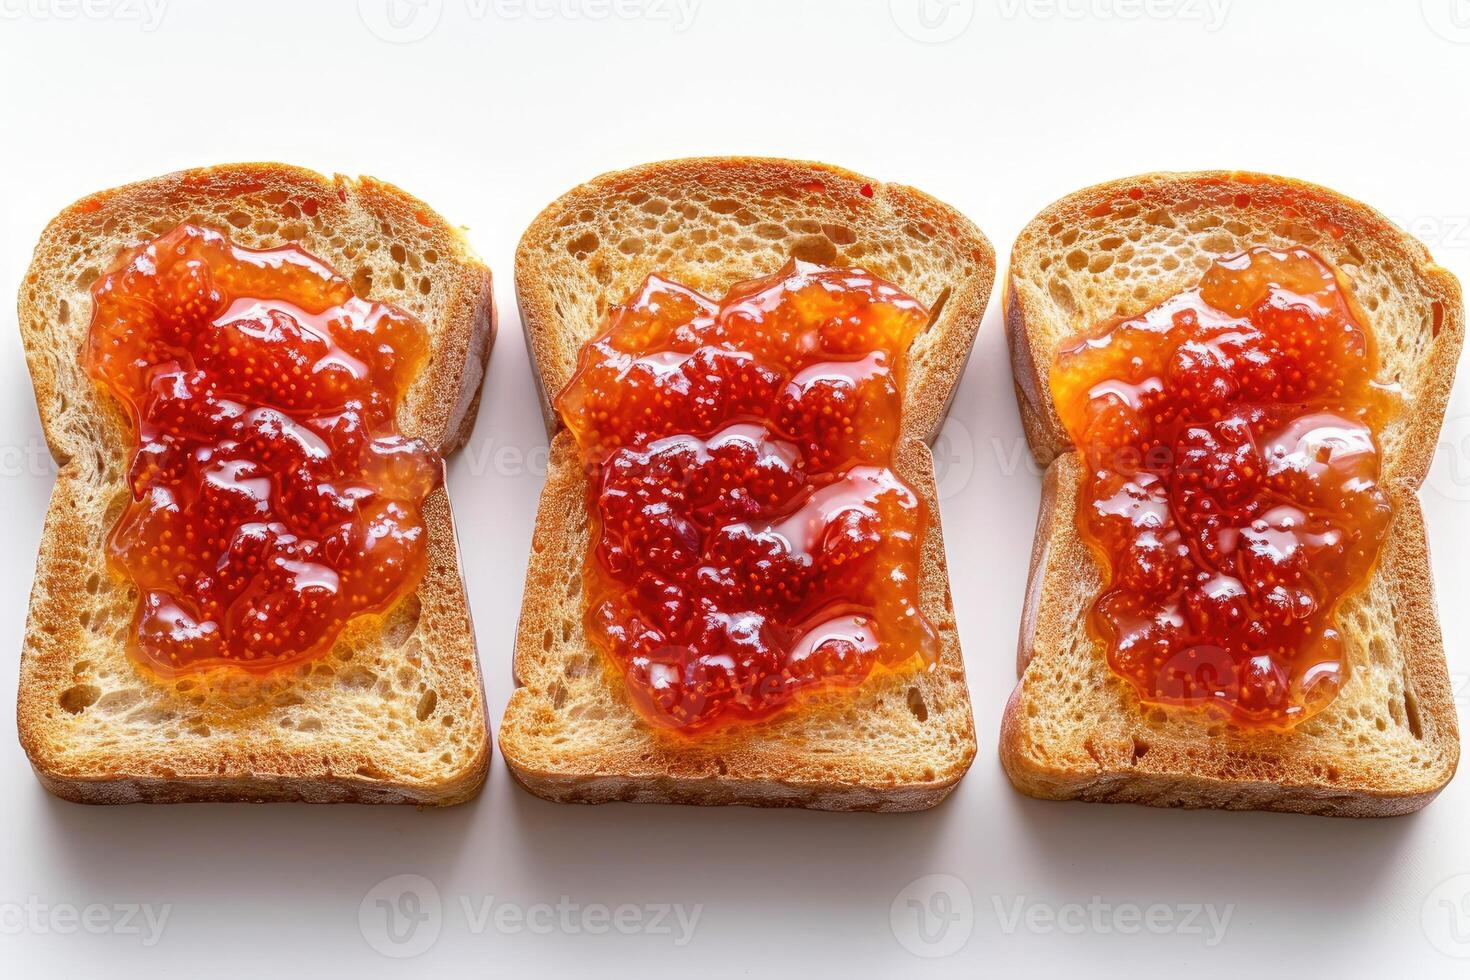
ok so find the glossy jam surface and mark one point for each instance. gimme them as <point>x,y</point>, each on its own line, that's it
<point>750,539</point>
<point>273,498</point>
<point>1230,436</point>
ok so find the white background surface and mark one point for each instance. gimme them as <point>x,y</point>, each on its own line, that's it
<point>495,112</point>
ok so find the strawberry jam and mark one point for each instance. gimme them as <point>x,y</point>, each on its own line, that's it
<point>750,540</point>
<point>273,498</point>
<point>1230,437</point>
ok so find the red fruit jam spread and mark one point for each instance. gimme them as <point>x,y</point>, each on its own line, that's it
<point>750,540</point>
<point>273,498</point>
<point>1231,440</point>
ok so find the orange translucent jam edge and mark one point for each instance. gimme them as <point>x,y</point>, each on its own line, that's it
<point>1379,409</point>
<point>118,561</point>
<point>598,583</point>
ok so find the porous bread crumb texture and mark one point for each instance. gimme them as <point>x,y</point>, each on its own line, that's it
<point>713,222</point>
<point>1390,741</point>
<point>395,713</point>
<point>900,741</point>
<point>1118,249</point>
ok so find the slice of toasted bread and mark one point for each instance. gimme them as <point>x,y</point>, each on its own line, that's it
<point>898,742</point>
<point>1073,730</point>
<point>395,713</point>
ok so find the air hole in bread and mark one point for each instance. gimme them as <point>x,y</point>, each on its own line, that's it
<point>1411,714</point>
<point>937,307</point>
<point>1160,218</point>
<point>362,281</point>
<point>428,701</point>
<point>814,248</point>
<point>917,707</point>
<point>1062,296</point>
<point>79,697</point>
<point>922,232</point>
<point>583,245</point>
<point>402,622</point>
<point>839,234</point>
<point>358,678</point>
<point>1218,243</point>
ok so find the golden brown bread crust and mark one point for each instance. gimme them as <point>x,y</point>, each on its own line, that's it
<point>733,186</point>
<point>396,712</point>
<point>1128,754</point>
<point>1290,212</point>
<point>1072,730</point>
<point>569,734</point>
<point>900,742</point>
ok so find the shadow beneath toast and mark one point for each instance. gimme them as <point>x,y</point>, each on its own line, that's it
<point>1308,868</point>
<point>757,858</point>
<point>208,852</point>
